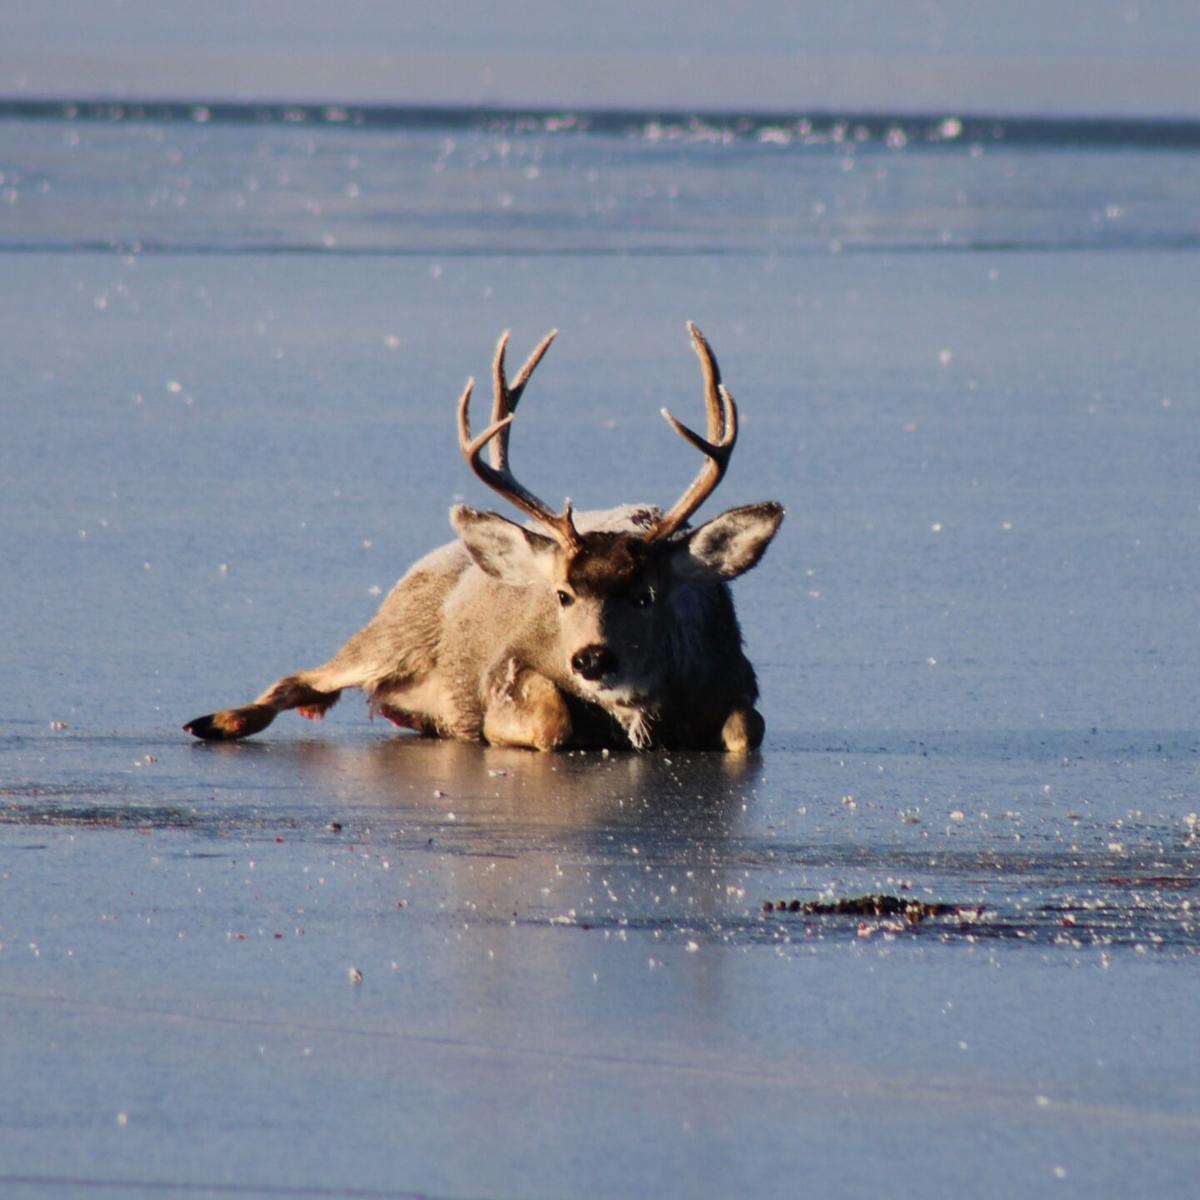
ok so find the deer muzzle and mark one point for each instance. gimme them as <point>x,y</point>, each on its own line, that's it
<point>594,662</point>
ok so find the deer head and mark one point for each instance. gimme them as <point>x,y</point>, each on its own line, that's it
<point>619,588</point>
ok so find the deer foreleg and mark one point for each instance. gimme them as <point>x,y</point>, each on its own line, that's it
<point>524,708</point>
<point>743,730</point>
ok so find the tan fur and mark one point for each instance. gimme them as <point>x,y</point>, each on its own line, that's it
<point>527,710</point>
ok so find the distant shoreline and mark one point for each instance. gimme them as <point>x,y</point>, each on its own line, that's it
<point>816,127</point>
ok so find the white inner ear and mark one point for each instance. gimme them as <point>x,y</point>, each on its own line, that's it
<point>505,550</point>
<point>728,545</point>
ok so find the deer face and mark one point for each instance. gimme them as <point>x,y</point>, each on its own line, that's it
<point>613,592</point>
<point>610,593</point>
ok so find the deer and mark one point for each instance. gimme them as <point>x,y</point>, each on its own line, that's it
<point>612,629</point>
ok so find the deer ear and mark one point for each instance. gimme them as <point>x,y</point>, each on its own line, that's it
<point>505,550</point>
<point>727,546</point>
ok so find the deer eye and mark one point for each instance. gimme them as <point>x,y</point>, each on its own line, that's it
<point>565,599</point>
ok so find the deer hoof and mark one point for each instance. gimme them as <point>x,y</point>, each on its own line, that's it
<point>231,723</point>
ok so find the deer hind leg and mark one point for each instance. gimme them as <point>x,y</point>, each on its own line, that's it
<point>524,708</point>
<point>313,693</point>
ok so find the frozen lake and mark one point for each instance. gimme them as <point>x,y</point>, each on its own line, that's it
<point>965,359</point>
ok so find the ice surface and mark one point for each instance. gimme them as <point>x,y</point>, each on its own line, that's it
<point>976,636</point>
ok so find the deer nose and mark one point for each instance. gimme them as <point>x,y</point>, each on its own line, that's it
<point>594,661</point>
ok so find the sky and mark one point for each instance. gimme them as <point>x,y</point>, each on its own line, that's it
<point>1101,57</point>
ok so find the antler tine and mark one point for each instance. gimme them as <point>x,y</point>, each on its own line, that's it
<point>506,396</point>
<point>499,478</point>
<point>717,448</point>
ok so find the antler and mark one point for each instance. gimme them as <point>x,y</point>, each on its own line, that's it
<point>722,437</point>
<point>497,475</point>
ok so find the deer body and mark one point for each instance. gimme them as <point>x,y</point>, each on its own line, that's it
<point>612,629</point>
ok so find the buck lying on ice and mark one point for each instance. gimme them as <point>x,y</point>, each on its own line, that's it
<point>618,630</point>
